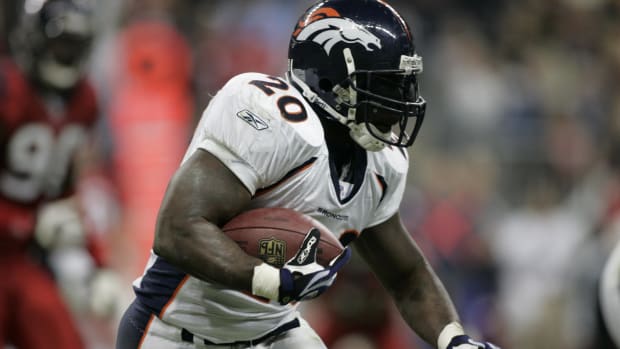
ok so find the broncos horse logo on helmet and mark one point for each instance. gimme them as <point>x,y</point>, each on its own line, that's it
<point>357,65</point>
<point>329,31</point>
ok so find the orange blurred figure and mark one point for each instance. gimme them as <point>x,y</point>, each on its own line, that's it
<point>150,111</point>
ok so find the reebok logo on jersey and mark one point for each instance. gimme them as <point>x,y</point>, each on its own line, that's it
<point>252,119</point>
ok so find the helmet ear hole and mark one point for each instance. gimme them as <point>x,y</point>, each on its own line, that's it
<point>325,84</point>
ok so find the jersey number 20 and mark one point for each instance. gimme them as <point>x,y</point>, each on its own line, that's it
<point>291,108</point>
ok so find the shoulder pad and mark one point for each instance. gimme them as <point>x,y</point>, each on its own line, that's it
<point>268,101</point>
<point>394,157</point>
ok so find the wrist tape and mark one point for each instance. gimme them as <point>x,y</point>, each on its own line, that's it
<point>450,331</point>
<point>266,281</point>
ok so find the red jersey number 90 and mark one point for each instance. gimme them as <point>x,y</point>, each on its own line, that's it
<point>38,161</point>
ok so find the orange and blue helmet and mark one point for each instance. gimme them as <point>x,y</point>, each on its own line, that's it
<point>356,62</point>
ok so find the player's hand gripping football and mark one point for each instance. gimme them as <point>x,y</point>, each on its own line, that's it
<point>301,278</point>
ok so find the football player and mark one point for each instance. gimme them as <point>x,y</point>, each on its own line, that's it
<point>328,140</point>
<point>47,110</point>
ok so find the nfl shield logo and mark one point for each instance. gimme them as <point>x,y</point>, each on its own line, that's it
<point>272,251</point>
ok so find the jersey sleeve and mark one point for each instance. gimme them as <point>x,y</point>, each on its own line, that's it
<point>242,128</point>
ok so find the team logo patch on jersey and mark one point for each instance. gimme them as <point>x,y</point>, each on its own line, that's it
<point>272,251</point>
<point>252,119</point>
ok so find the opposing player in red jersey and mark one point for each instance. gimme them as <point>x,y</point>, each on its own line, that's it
<point>47,110</point>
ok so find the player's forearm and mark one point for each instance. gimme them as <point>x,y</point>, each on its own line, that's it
<point>199,248</point>
<point>424,304</point>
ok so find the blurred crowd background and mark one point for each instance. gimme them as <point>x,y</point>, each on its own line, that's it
<point>514,187</point>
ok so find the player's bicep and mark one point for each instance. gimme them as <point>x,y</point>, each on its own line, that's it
<point>390,252</point>
<point>202,188</point>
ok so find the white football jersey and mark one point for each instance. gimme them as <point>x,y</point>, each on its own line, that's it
<point>266,133</point>
<point>609,293</point>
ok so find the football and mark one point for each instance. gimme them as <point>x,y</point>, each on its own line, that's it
<point>275,234</point>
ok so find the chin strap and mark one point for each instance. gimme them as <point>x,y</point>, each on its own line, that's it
<point>358,131</point>
<point>361,135</point>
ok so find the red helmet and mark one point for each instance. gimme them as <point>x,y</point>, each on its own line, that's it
<point>52,39</point>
